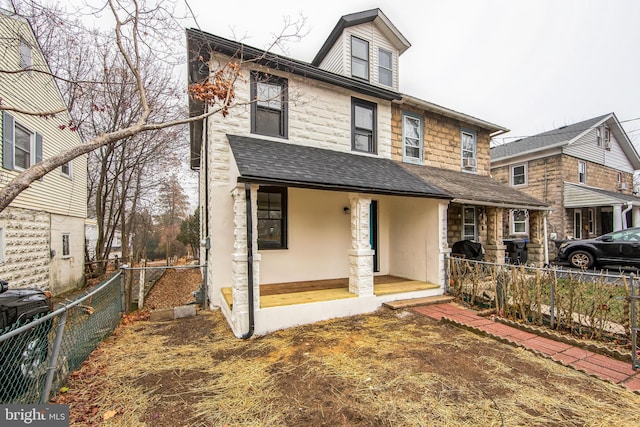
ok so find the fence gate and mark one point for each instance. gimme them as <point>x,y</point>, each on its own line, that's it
<point>634,324</point>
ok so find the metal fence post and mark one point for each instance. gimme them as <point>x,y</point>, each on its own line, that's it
<point>633,322</point>
<point>51,370</point>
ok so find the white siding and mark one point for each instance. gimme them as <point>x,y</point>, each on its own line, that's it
<point>38,92</point>
<point>376,39</point>
<point>336,59</point>
<point>578,196</point>
<point>616,158</point>
<point>586,148</point>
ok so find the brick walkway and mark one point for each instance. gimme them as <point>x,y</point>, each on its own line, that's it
<point>594,364</point>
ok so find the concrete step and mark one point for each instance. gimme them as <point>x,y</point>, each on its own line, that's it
<point>404,303</point>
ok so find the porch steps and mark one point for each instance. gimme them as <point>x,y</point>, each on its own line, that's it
<point>405,303</point>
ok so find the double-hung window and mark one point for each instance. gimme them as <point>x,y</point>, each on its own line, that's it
<point>519,175</point>
<point>412,141</point>
<point>359,58</point>
<point>385,67</point>
<point>469,162</point>
<point>269,113</point>
<point>272,217</point>
<point>582,172</point>
<point>65,169</point>
<point>469,223</point>
<point>21,148</point>
<point>363,126</point>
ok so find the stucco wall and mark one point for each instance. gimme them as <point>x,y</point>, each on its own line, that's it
<point>67,272</point>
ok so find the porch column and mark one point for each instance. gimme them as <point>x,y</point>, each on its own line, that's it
<point>635,217</point>
<point>494,249</point>
<point>360,254</point>
<point>239,259</point>
<point>617,217</point>
<point>535,247</point>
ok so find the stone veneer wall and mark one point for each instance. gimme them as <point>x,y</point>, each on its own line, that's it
<point>26,248</point>
<point>442,140</point>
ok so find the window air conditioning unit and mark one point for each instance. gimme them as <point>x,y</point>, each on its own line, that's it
<point>469,163</point>
<point>622,186</point>
<point>607,145</point>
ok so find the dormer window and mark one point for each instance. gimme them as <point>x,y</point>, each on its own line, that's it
<point>359,58</point>
<point>385,67</point>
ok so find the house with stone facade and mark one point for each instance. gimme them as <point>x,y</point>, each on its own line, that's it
<point>42,231</point>
<point>583,170</point>
<point>318,191</point>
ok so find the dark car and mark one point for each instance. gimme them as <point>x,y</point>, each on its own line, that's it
<point>22,356</point>
<point>617,248</point>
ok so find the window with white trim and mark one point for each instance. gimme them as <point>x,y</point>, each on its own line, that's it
<point>469,142</point>
<point>598,137</point>
<point>412,141</point>
<point>519,175</point>
<point>592,221</point>
<point>607,138</point>
<point>385,67</point>
<point>469,223</point>
<point>582,172</point>
<point>21,147</point>
<point>65,169</point>
<point>519,221</point>
<point>359,58</point>
<point>577,224</point>
<point>66,245</point>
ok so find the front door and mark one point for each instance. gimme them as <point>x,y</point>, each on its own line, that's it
<point>606,220</point>
<point>577,224</point>
<point>373,233</point>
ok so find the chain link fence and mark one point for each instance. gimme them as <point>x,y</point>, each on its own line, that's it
<point>37,357</point>
<point>586,304</point>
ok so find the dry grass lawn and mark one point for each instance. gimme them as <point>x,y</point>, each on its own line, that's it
<point>384,369</point>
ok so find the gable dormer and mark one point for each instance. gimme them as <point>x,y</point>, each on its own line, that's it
<point>364,46</point>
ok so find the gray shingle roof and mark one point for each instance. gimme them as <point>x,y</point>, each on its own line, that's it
<point>545,139</point>
<point>309,167</point>
<point>468,186</point>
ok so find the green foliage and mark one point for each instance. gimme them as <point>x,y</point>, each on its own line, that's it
<point>190,232</point>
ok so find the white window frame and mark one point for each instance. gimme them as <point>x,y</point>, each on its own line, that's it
<point>582,172</point>
<point>513,222</point>
<point>607,138</point>
<point>591,220</point>
<point>67,245</point>
<point>598,137</point>
<point>475,223</point>
<point>525,174</point>
<point>474,151</point>
<point>25,53</point>
<point>69,172</point>
<point>406,116</point>
<point>383,68</point>
<point>32,143</point>
<point>577,224</point>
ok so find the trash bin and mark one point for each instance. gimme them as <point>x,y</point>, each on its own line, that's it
<point>516,252</point>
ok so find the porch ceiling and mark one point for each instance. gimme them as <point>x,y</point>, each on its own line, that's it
<point>277,163</point>
<point>578,196</point>
<point>474,188</point>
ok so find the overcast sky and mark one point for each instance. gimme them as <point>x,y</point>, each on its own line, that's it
<point>528,66</point>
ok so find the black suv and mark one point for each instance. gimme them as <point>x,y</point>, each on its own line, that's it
<point>617,248</point>
<point>22,356</point>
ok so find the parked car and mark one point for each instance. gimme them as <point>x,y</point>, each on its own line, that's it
<point>22,356</point>
<point>617,248</point>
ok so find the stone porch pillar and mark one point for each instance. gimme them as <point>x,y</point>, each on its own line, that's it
<point>494,249</point>
<point>360,254</point>
<point>239,259</point>
<point>535,247</point>
<point>635,216</point>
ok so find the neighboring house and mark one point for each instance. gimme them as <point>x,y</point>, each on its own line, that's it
<point>584,171</point>
<point>42,231</point>
<point>336,223</point>
<point>91,238</point>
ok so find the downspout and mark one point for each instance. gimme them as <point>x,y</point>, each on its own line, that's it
<point>247,190</point>
<point>624,215</point>
<point>207,243</point>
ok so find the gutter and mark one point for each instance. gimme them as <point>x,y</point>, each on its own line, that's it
<point>501,205</point>
<point>247,191</point>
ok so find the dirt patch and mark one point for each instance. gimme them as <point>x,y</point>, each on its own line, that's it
<point>384,369</point>
<point>174,289</point>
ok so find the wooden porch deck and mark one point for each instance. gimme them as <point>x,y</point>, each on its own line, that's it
<point>280,294</point>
